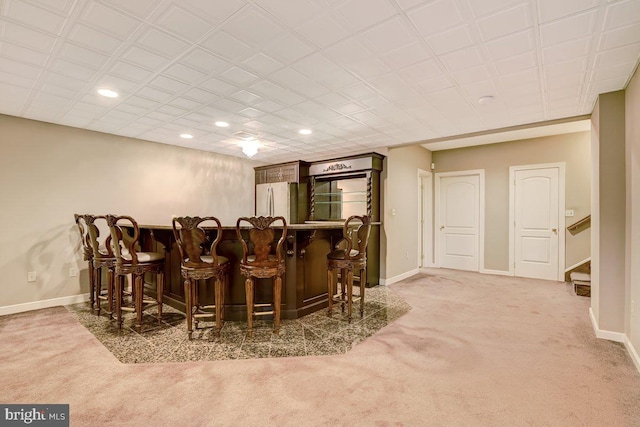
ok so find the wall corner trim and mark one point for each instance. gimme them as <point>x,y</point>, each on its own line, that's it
<point>603,334</point>
<point>399,277</point>
<point>632,352</point>
<point>36,305</point>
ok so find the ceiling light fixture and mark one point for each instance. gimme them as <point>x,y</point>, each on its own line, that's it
<point>108,93</point>
<point>186,135</point>
<point>486,99</point>
<point>305,131</point>
<point>222,124</point>
<point>250,147</point>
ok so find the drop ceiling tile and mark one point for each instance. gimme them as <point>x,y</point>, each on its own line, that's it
<point>130,71</point>
<point>139,8</point>
<point>288,49</point>
<point>144,58</point>
<point>116,83</point>
<point>218,86</point>
<point>435,17</point>
<point>168,85</point>
<point>253,27</point>
<point>322,30</point>
<point>109,20</point>
<point>58,91</point>
<point>391,86</point>
<point>528,78</point>
<point>32,38</point>
<point>549,10</point>
<point>82,55</point>
<point>368,67</point>
<point>454,39</point>
<point>620,55</point>
<point>316,111</point>
<point>406,55</point>
<point>94,39</point>
<point>61,7</point>
<point>161,42</point>
<point>185,103</point>
<point>567,29</point>
<point>251,113</point>
<point>262,64</point>
<point>461,59</point>
<point>238,76</point>
<point>565,51</point>
<point>291,13</point>
<point>619,37</point>
<point>227,104</point>
<point>387,36</point>
<point>506,22</point>
<point>622,13</point>
<point>421,71</point>
<point>246,97</point>
<point>516,63</point>
<point>358,90</point>
<point>16,80</point>
<point>215,12</point>
<point>268,106</point>
<point>203,61</point>
<point>182,23</point>
<point>33,16</point>
<point>473,74</point>
<point>512,45</point>
<point>297,82</point>
<point>350,13</point>
<point>436,84</point>
<point>408,4</point>
<point>185,74</point>
<point>73,70</point>
<point>227,46</point>
<point>572,66</point>
<point>203,96</point>
<point>23,54</point>
<point>133,109</point>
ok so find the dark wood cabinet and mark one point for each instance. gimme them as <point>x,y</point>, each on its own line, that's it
<point>294,172</point>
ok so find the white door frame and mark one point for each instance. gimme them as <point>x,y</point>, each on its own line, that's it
<point>561,219</point>
<point>425,224</point>
<point>480,173</point>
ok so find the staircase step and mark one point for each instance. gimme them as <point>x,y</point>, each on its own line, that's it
<point>581,277</point>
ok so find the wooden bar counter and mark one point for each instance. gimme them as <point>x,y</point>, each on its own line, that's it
<point>305,281</point>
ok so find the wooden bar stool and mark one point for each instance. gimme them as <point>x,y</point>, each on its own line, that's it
<point>98,253</point>
<point>260,259</point>
<point>131,261</point>
<point>350,255</point>
<point>200,261</point>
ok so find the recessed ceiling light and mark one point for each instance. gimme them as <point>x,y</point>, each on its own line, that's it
<point>108,93</point>
<point>186,135</point>
<point>250,147</point>
<point>222,124</point>
<point>305,131</point>
<point>486,99</point>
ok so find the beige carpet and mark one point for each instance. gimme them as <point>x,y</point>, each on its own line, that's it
<point>475,350</point>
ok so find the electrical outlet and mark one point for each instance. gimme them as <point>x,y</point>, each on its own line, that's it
<point>569,212</point>
<point>406,255</point>
<point>31,276</point>
<point>73,272</point>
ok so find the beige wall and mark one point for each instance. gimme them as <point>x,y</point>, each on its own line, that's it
<point>400,194</point>
<point>49,172</point>
<point>495,159</point>
<point>632,277</point>
<point>609,276</point>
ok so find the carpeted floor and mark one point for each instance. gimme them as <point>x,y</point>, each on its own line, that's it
<point>315,334</point>
<point>474,350</point>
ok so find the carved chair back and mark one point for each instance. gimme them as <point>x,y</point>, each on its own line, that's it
<point>261,238</point>
<point>83,222</point>
<point>194,242</point>
<point>355,236</point>
<point>122,243</point>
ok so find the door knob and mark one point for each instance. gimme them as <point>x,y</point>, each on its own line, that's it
<point>555,230</point>
<point>442,227</point>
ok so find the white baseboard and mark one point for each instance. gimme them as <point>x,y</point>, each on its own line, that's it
<point>386,282</point>
<point>36,305</point>
<point>603,334</point>
<point>632,352</point>
<point>496,272</point>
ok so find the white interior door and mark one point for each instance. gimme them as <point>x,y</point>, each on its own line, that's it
<point>536,225</point>
<point>458,224</point>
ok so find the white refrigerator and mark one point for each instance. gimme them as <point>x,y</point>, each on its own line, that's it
<point>273,200</point>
